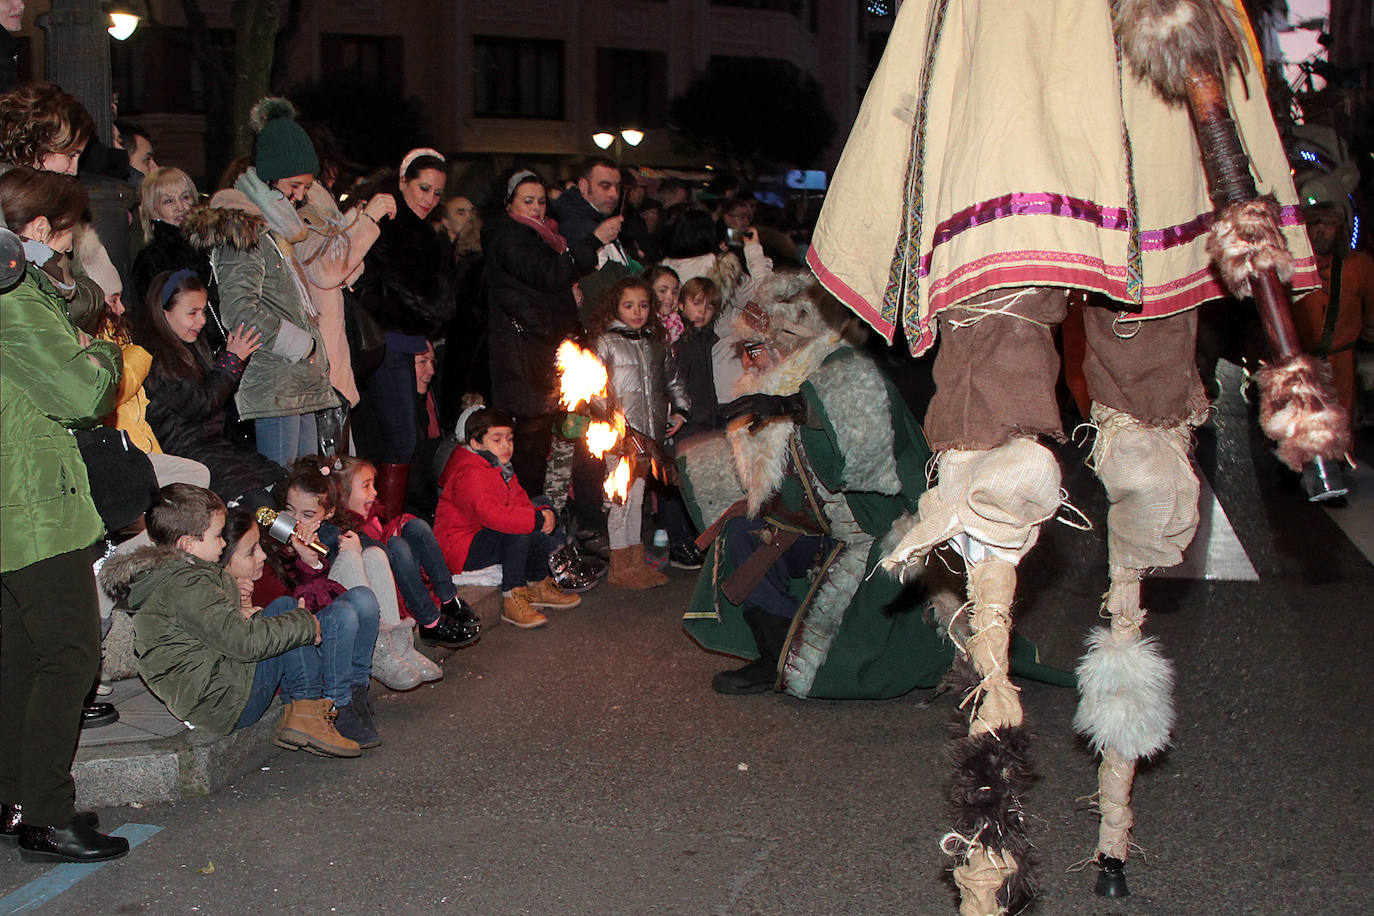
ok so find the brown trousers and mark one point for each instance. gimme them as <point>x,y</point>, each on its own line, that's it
<point>995,375</point>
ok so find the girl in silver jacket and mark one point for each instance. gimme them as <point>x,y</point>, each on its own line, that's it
<point>645,381</point>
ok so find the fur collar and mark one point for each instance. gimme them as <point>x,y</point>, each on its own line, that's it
<point>224,223</point>
<point>121,571</point>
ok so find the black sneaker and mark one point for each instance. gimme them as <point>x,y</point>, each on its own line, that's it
<point>686,556</point>
<point>449,631</point>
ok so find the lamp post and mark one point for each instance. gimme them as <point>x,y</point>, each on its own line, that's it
<point>604,139</point>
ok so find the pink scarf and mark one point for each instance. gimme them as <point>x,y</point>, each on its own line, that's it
<point>548,231</point>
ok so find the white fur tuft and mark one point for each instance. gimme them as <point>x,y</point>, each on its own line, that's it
<point>1125,696</point>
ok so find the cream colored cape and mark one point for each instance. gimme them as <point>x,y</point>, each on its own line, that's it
<point>1004,145</point>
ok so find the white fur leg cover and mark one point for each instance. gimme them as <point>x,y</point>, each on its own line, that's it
<point>1125,706</point>
<point>1151,489</point>
<point>998,496</point>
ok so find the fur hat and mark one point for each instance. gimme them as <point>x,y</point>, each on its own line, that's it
<point>283,148</point>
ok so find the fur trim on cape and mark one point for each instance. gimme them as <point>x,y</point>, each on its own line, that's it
<point>221,223</point>
<point>708,464</point>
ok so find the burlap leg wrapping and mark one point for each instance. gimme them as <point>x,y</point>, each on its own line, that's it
<point>1115,776</point>
<point>979,877</point>
<point>996,704</point>
<point>991,586</point>
<point>999,497</point>
<point>1151,489</point>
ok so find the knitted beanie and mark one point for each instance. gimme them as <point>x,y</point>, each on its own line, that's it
<point>283,148</point>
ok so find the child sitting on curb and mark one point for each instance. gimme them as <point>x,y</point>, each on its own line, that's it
<point>215,668</point>
<point>485,517</point>
<point>348,617</point>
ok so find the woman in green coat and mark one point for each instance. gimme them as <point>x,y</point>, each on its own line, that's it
<point>52,378</point>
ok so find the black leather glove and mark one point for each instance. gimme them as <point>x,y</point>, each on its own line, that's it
<point>764,407</point>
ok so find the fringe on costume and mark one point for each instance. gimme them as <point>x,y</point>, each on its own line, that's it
<point>1246,241</point>
<point>1165,40</point>
<point>1125,695</point>
<point>1298,412</point>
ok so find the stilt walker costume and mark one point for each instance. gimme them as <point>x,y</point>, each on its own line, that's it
<point>1007,153</point>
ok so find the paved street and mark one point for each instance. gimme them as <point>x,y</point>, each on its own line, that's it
<point>588,768</point>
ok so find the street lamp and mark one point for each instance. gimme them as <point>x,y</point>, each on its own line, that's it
<point>124,19</point>
<point>604,139</point>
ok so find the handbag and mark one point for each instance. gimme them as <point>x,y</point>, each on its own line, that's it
<point>366,339</point>
<point>123,485</point>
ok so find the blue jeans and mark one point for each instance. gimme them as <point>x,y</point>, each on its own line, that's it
<point>284,439</point>
<point>390,393</point>
<point>271,673</point>
<point>348,630</point>
<point>524,558</point>
<point>415,549</point>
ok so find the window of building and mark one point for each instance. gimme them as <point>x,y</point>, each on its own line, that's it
<point>517,78</point>
<point>377,58</point>
<point>631,88</point>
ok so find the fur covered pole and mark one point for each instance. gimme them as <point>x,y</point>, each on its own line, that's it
<point>1126,711</point>
<point>991,762</point>
<point>1185,48</point>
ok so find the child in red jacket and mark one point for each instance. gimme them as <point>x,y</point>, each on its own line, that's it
<point>485,517</point>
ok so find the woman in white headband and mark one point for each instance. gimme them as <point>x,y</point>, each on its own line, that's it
<point>407,287</point>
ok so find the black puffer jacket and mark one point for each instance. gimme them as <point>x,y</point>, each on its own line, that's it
<point>532,311</point>
<point>694,362</point>
<point>167,250</point>
<point>187,415</point>
<point>408,276</point>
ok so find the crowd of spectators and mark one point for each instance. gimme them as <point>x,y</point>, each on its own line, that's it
<point>374,363</point>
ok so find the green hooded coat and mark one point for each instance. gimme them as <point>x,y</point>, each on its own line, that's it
<point>194,649</point>
<point>48,386</point>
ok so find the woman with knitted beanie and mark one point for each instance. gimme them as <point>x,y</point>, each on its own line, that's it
<point>250,230</point>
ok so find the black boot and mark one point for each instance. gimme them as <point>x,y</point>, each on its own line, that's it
<point>761,675</point>
<point>74,841</point>
<point>11,816</point>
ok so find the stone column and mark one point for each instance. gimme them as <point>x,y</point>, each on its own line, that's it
<point>78,56</point>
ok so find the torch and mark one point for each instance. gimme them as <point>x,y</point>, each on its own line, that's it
<point>583,389</point>
<point>1185,48</point>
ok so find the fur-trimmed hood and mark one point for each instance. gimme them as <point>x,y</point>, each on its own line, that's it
<point>229,219</point>
<point>128,578</point>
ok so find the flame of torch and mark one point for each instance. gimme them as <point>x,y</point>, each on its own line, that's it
<point>581,376</point>
<point>582,385</point>
<point>617,485</point>
<point>601,438</point>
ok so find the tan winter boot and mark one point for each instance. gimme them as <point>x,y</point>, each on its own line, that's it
<point>546,593</point>
<point>651,578</point>
<point>622,574</point>
<point>309,725</point>
<point>517,610</point>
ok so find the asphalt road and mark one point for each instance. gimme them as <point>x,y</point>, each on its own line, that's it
<point>588,768</point>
